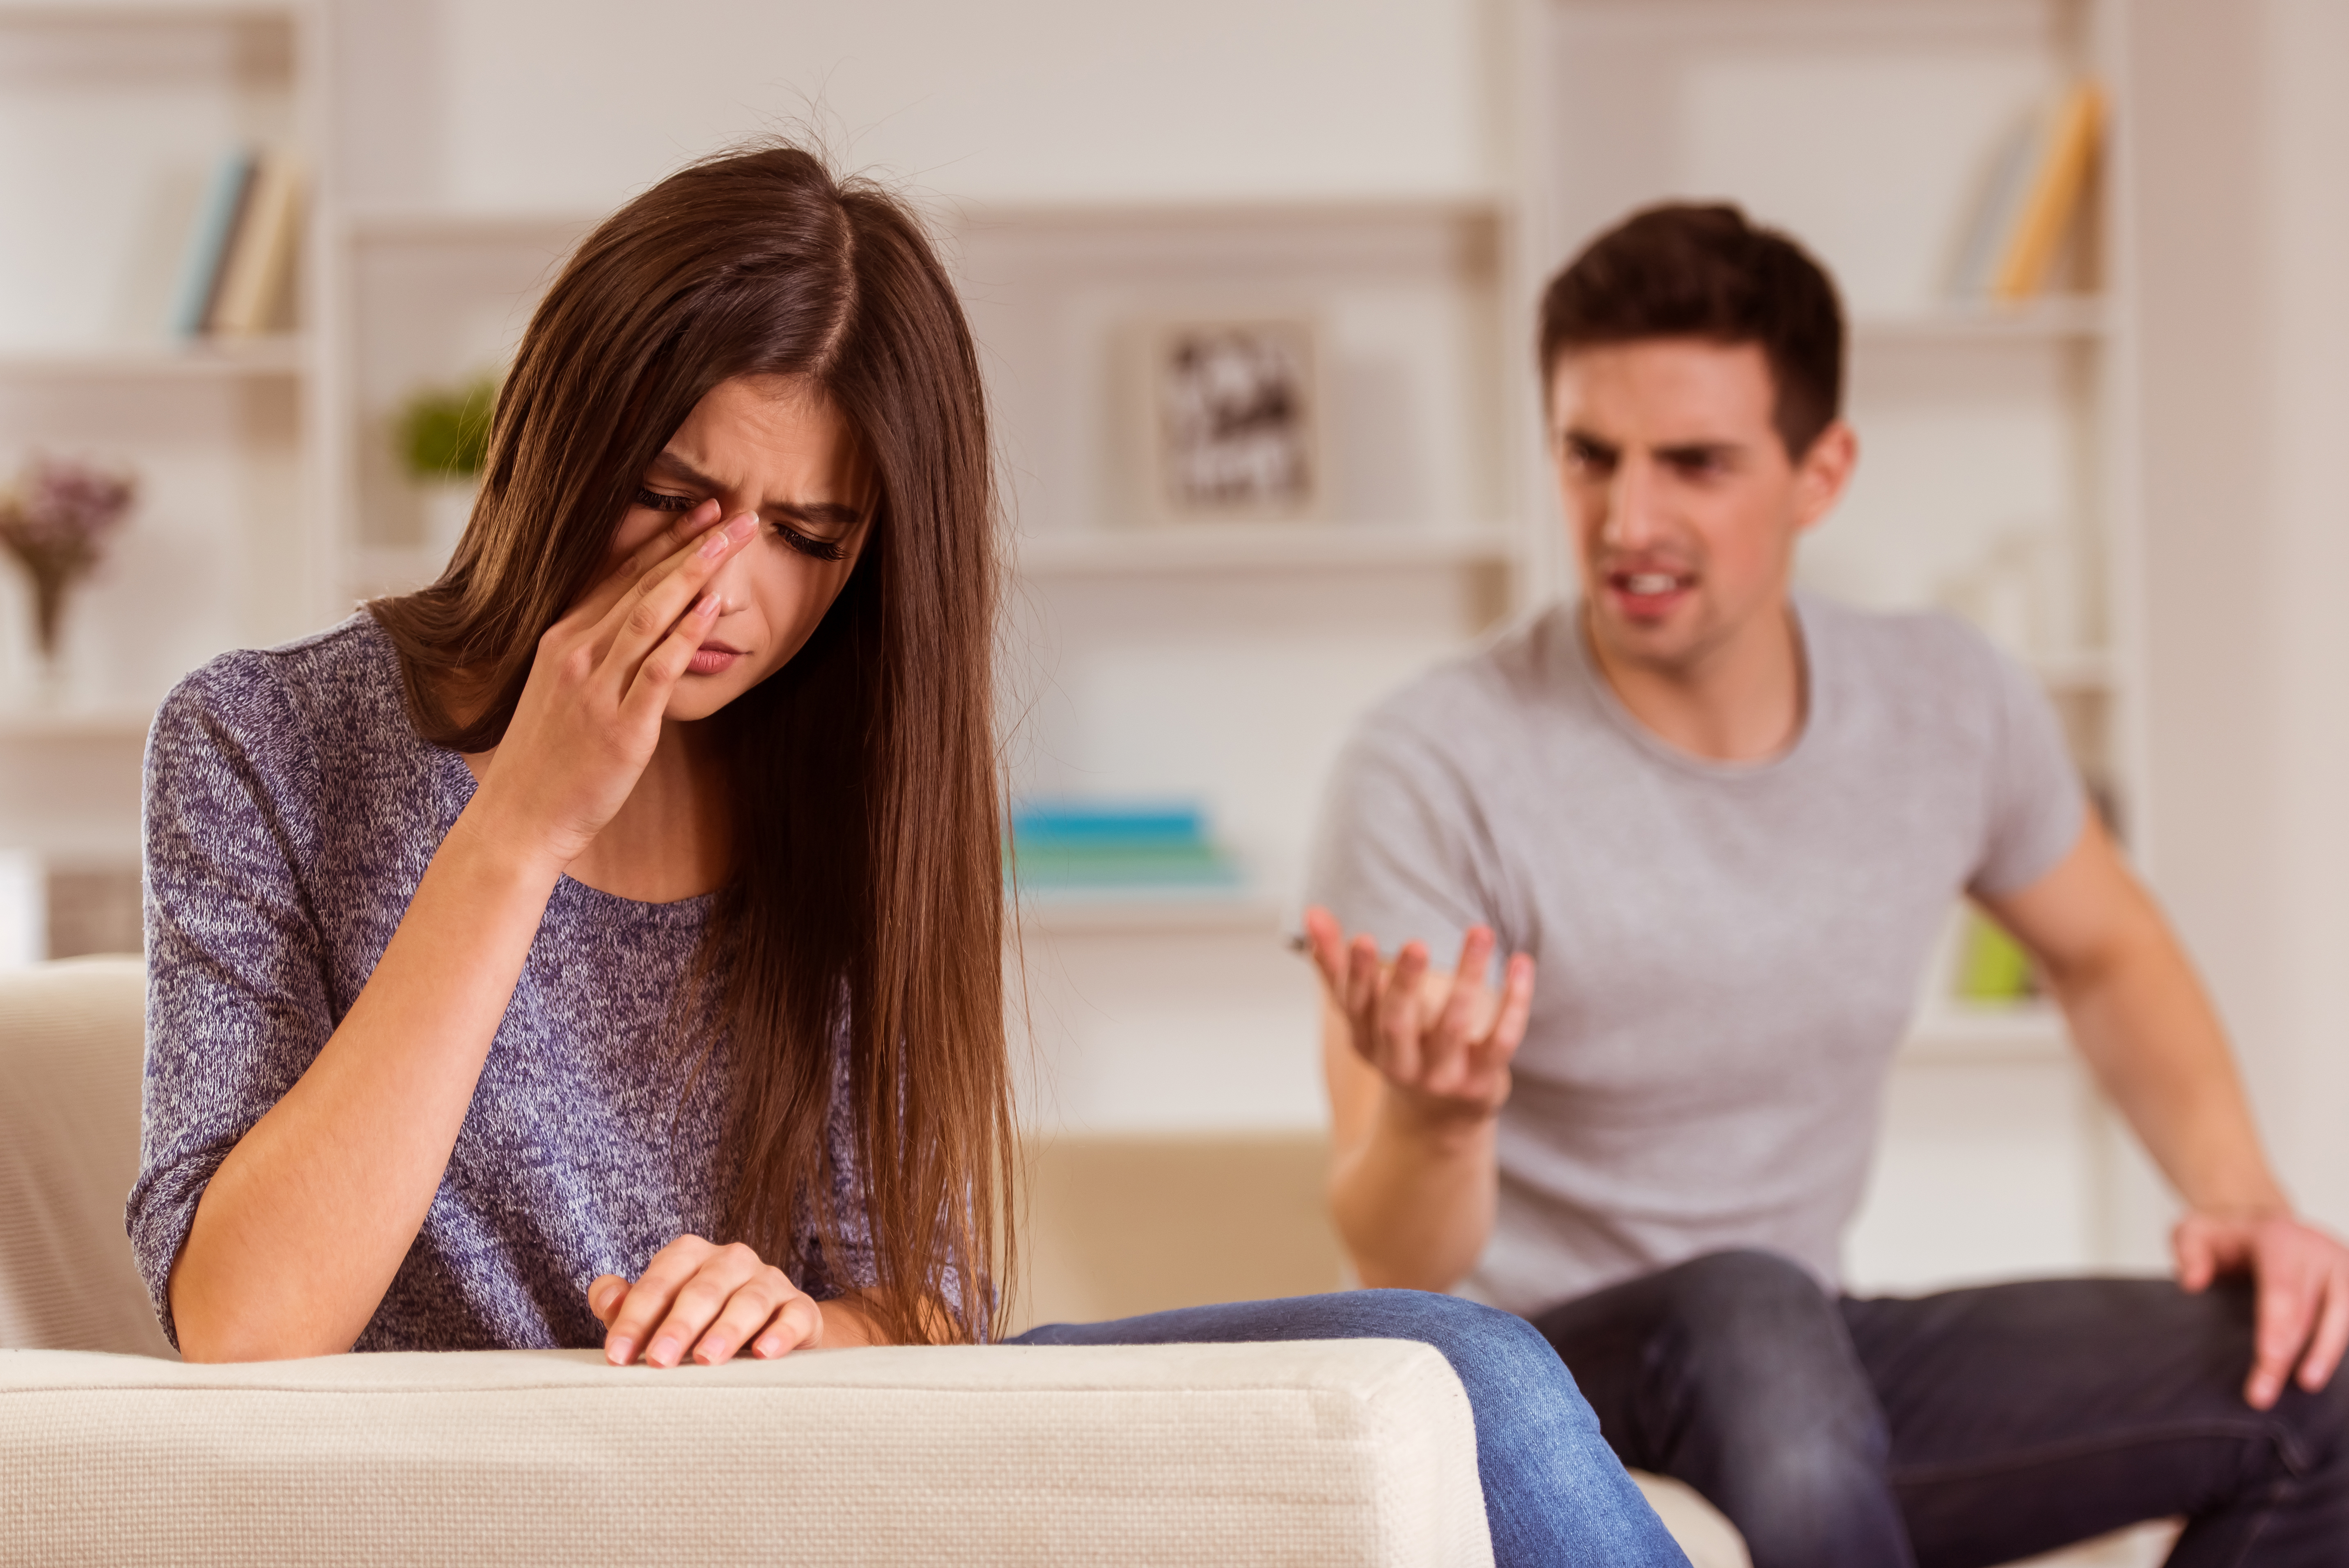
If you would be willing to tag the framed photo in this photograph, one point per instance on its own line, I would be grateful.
(1236, 423)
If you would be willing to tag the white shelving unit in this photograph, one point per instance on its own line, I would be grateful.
(1227, 662)
(111, 118)
(1996, 457)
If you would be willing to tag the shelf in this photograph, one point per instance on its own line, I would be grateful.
(2080, 670)
(2016, 1032)
(259, 358)
(1178, 549)
(110, 722)
(2053, 320)
(1107, 913)
(442, 225)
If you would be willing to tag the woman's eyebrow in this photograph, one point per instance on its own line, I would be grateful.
(823, 514)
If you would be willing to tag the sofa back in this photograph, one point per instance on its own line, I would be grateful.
(72, 1049)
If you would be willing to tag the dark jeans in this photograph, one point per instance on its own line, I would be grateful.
(1552, 1494)
(1970, 1427)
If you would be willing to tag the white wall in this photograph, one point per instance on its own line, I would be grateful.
(579, 103)
(2244, 245)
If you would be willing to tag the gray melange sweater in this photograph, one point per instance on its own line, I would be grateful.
(290, 811)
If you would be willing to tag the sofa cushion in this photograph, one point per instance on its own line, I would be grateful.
(1353, 1452)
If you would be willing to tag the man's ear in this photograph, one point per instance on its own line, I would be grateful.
(1824, 470)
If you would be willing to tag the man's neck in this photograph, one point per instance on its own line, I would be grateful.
(1739, 700)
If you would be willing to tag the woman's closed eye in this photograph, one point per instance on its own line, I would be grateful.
(805, 543)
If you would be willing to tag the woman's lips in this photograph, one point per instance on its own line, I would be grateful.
(711, 658)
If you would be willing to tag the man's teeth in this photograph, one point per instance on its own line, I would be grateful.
(1651, 581)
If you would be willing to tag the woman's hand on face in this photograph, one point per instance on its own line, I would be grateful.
(590, 714)
(698, 1298)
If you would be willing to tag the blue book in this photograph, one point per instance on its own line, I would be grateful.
(1074, 823)
(210, 242)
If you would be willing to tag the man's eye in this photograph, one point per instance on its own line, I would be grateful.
(1590, 459)
(659, 502)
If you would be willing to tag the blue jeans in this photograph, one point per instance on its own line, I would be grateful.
(1553, 1493)
(1970, 1427)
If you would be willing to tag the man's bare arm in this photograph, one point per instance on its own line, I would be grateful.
(1417, 1063)
(2144, 1022)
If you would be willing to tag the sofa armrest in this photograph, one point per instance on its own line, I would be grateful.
(1354, 1451)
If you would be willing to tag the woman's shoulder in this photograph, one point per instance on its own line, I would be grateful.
(338, 679)
(308, 717)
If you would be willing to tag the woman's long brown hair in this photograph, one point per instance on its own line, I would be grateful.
(862, 784)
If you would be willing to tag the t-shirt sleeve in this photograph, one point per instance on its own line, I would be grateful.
(1399, 851)
(2037, 805)
(237, 1000)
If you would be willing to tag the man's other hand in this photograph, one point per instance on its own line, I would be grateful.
(2300, 1277)
(1444, 1042)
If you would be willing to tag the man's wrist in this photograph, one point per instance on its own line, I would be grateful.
(1439, 1131)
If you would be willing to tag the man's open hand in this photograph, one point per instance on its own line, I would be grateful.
(1441, 1041)
(2301, 1278)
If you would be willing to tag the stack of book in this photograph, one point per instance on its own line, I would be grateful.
(2032, 198)
(237, 278)
(1102, 848)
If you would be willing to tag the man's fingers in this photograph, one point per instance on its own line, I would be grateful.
(1445, 1046)
(2284, 1314)
(2332, 1338)
(1361, 1000)
(1500, 1046)
(1327, 943)
(1397, 1027)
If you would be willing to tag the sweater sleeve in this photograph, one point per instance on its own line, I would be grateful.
(237, 998)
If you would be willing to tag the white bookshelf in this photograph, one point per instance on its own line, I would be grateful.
(112, 116)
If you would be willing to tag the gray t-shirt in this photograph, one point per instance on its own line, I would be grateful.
(1729, 952)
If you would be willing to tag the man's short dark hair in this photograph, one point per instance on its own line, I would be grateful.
(1681, 270)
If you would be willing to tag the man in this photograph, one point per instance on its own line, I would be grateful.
(1728, 820)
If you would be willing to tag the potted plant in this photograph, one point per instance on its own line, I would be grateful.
(443, 434)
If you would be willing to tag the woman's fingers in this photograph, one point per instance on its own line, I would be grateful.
(663, 667)
(766, 1305)
(649, 1300)
(668, 542)
(636, 624)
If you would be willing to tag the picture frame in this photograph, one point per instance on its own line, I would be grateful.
(1231, 415)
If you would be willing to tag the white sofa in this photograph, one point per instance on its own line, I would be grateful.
(113, 1453)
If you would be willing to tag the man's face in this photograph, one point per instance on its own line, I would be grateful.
(1682, 502)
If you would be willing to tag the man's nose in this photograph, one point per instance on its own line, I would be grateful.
(1633, 520)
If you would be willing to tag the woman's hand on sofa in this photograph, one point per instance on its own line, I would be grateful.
(710, 1302)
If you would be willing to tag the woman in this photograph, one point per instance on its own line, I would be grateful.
(636, 883)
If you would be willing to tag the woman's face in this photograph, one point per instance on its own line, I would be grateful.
(774, 446)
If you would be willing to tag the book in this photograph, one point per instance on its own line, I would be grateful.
(2053, 197)
(205, 259)
(1105, 846)
(261, 256)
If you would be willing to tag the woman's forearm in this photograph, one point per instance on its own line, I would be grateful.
(304, 1225)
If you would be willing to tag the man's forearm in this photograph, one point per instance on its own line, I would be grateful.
(1413, 1203)
(2142, 1022)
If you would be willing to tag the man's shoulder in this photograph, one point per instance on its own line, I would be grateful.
(1518, 677)
(1902, 650)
